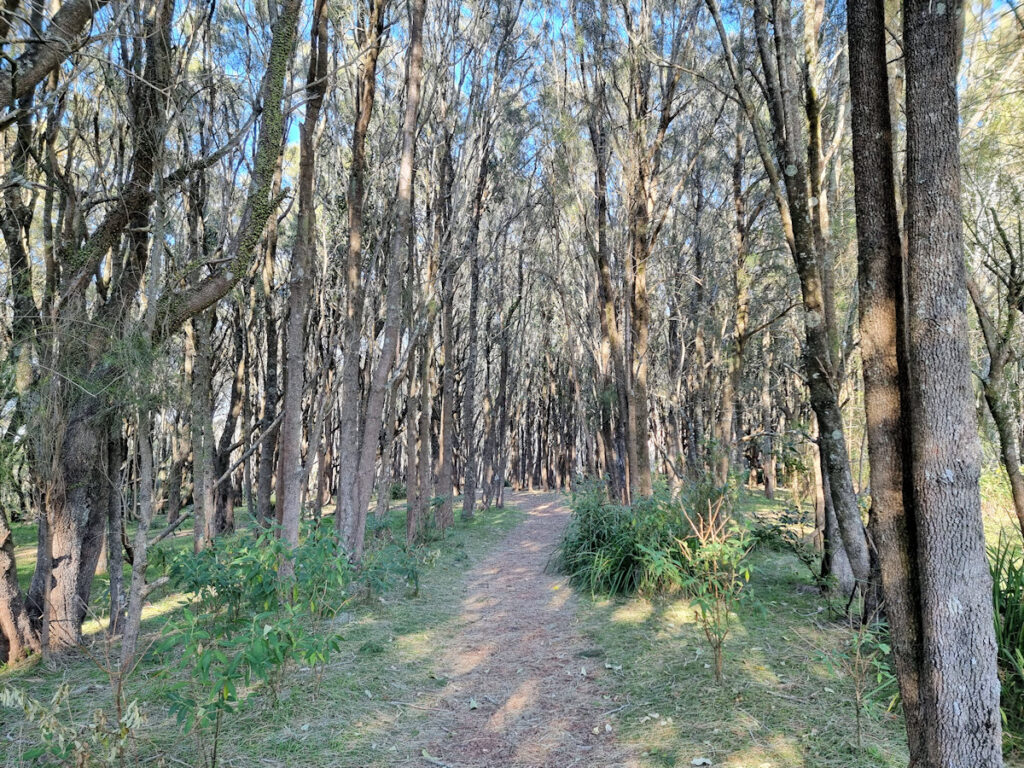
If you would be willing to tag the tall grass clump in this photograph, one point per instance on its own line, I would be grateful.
(1007, 565)
(610, 548)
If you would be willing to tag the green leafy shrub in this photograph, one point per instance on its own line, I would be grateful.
(239, 575)
(323, 574)
(216, 667)
(609, 548)
(717, 573)
(1007, 566)
(234, 575)
(246, 628)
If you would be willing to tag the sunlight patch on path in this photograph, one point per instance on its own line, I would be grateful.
(523, 689)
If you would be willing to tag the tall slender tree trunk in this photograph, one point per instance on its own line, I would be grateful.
(203, 471)
(472, 249)
(271, 385)
(115, 530)
(883, 350)
(362, 481)
(446, 473)
(300, 284)
(350, 519)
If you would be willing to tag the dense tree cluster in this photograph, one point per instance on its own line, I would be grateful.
(288, 256)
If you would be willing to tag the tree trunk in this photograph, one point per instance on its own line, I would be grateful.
(17, 635)
(880, 280)
(290, 495)
(446, 473)
(469, 385)
(959, 681)
(350, 519)
(138, 592)
(358, 486)
(203, 470)
(268, 448)
(76, 514)
(115, 531)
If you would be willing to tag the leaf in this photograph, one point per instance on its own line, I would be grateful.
(431, 759)
(473, 704)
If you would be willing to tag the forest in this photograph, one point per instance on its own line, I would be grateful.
(512, 383)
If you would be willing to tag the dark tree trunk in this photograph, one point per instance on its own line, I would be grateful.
(880, 279)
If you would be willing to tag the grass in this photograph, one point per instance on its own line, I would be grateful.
(346, 718)
(782, 703)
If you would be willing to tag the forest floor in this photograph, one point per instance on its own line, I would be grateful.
(524, 688)
(494, 662)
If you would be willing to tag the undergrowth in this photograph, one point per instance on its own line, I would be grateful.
(618, 549)
(250, 673)
(1007, 565)
(798, 679)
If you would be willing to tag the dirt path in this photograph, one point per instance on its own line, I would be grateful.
(522, 690)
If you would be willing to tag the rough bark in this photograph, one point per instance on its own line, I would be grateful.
(203, 470)
(883, 350)
(17, 634)
(959, 682)
(300, 284)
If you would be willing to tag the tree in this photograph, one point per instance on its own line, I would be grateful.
(919, 396)
(784, 153)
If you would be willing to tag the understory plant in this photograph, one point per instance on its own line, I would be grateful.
(866, 660)
(245, 628)
(1006, 563)
(611, 548)
(67, 740)
(217, 666)
(716, 574)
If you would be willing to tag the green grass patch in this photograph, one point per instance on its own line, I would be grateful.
(782, 702)
(344, 715)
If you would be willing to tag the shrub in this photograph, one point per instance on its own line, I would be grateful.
(717, 573)
(234, 575)
(217, 664)
(1007, 566)
(866, 660)
(238, 575)
(323, 574)
(614, 549)
(248, 625)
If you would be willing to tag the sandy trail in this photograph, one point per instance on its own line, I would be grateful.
(522, 690)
